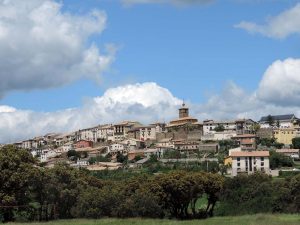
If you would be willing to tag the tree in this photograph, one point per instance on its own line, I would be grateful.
(278, 124)
(17, 167)
(278, 160)
(296, 142)
(270, 120)
(255, 127)
(121, 158)
(270, 142)
(219, 128)
(73, 154)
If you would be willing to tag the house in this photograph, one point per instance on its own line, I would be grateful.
(83, 144)
(285, 121)
(82, 163)
(165, 143)
(160, 127)
(286, 135)
(64, 148)
(133, 144)
(250, 162)
(46, 154)
(155, 151)
(27, 144)
(49, 139)
(209, 126)
(239, 126)
(62, 139)
(293, 153)
(211, 147)
(115, 148)
(87, 134)
(147, 133)
(121, 129)
(184, 146)
(218, 136)
(140, 163)
(244, 126)
(143, 133)
(246, 141)
(98, 133)
(104, 133)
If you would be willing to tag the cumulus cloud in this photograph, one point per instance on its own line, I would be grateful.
(280, 26)
(172, 2)
(41, 46)
(149, 102)
(280, 83)
(145, 102)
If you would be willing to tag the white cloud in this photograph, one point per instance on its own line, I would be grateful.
(277, 93)
(172, 2)
(42, 47)
(280, 26)
(6, 109)
(145, 102)
(280, 83)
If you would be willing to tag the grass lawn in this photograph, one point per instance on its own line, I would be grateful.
(259, 219)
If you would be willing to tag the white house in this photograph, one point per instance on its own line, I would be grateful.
(27, 144)
(148, 133)
(210, 125)
(121, 129)
(165, 143)
(250, 162)
(115, 148)
(239, 126)
(156, 151)
(285, 121)
(87, 134)
(82, 163)
(218, 136)
(46, 154)
(105, 132)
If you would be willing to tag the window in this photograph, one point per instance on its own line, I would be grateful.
(262, 158)
(262, 164)
(238, 164)
(238, 159)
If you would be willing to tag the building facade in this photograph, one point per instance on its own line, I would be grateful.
(250, 162)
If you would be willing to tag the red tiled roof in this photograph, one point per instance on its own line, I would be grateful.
(249, 154)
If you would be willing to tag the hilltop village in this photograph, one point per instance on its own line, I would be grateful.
(229, 147)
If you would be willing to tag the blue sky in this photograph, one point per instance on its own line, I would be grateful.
(67, 65)
(191, 50)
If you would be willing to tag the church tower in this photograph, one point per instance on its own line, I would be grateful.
(183, 111)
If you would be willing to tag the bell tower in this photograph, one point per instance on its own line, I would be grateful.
(183, 111)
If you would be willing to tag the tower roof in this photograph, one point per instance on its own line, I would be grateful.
(183, 106)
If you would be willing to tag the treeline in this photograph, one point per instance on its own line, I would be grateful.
(32, 193)
(259, 193)
(29, 192)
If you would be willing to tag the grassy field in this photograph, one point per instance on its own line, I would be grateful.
(239, 220)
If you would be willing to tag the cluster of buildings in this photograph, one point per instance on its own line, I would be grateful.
(185, 135)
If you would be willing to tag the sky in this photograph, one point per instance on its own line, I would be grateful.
(66, 65)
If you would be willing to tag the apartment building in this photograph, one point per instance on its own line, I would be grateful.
(250, 162)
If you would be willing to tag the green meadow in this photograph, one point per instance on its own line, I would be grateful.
(260, 219)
